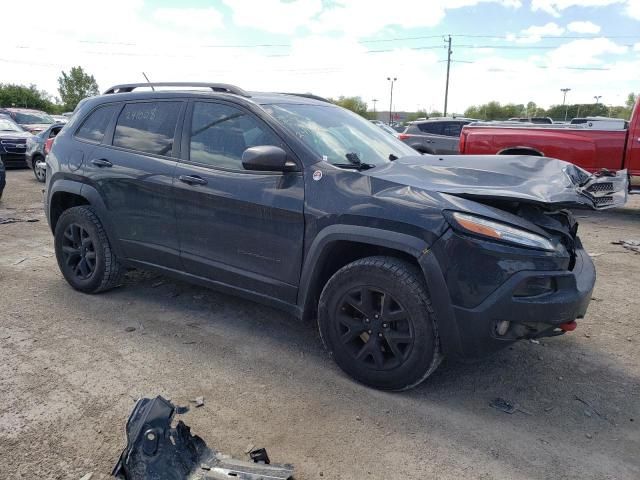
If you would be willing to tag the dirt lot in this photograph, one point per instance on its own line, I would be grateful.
(69, 372)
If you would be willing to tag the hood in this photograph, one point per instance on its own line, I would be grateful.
(36, 127)
(13, 135)
(501, 177)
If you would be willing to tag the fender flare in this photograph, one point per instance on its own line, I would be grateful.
(93, 197)
(409, 244)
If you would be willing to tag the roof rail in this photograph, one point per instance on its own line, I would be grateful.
(216, 87)
(308, 95)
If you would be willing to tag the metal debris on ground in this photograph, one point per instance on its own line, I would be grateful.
(87, 476)
(130, 329)
(633, 245)
(199, 401)
(19, 261)
(156, 450)
(506, 406)
(4, 221)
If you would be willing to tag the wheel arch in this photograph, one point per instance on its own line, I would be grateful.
(339, 245)
(521, 151)
(68, 193)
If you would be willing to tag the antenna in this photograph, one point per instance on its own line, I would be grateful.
(148, 81)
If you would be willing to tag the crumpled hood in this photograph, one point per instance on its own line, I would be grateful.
(528, 178)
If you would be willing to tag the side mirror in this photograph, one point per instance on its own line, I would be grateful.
(267, 158)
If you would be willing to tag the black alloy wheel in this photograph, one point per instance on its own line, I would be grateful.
(79, 252)
(374, 328)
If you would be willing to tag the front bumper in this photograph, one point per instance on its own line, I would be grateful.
(14, 159)
(471, 332)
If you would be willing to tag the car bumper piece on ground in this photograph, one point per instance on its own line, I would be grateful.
(156, 450)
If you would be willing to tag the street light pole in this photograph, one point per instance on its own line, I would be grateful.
(375, 100)
(446, 89)
(597, 97)
(392, 80)
(564, 101)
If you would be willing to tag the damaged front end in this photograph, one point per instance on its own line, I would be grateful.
(604, 189)
(156, 450)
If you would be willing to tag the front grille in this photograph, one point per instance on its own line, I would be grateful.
(600, 187)
(603, 200)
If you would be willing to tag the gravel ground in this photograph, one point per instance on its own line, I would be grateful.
(69, 374)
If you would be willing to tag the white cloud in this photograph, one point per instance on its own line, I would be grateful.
(204, 19)
(583, 27)
(535, 33)
(273, 15)
(633, 9)
(555, 7)
(586, 53)
(363, 18)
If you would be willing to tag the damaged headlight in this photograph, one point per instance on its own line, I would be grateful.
(498, 231)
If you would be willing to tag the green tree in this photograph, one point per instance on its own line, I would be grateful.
(75, 86)
(12, 95)
(355, 104)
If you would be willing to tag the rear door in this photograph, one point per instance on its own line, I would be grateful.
(133, 170)
(236, 227)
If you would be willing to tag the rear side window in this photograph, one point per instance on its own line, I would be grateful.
(431, 128)
(452, 129)
(95, 126)
(147, 127)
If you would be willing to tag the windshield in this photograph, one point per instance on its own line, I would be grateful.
(336, 134)
(8, 126)
(33, 117)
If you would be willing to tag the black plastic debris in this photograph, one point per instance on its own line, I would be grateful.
(156, 450)
(259, 455)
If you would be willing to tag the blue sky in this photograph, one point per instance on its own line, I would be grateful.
(505, 50)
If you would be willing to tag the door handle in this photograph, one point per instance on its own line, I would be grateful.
(192, 180)
(101, 162)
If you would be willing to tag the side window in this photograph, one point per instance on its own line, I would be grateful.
(221, 133)
(147, 127)
(432, 127)
(452, 129)
(95, 125)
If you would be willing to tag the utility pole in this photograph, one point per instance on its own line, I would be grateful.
(597, 97)
(564, 101)
(446, 90)
(392, 80)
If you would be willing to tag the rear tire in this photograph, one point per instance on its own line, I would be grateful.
(375, 318)
(83, 251)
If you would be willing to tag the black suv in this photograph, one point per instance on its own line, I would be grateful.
(295, 202)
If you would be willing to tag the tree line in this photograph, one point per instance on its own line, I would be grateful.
(497, 111)
(77, 84)
(73, 86)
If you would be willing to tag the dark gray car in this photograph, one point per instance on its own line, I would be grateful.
(35, 154)
(295, 202)
(437, 136)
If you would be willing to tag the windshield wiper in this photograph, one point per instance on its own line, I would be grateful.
(354, 162)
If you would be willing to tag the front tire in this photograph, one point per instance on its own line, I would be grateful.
(83, 251)
(375, 318)
(39, 172)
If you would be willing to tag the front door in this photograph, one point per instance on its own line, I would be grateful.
(236, 227)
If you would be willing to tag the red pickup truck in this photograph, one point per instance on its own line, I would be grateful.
(586, 147)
